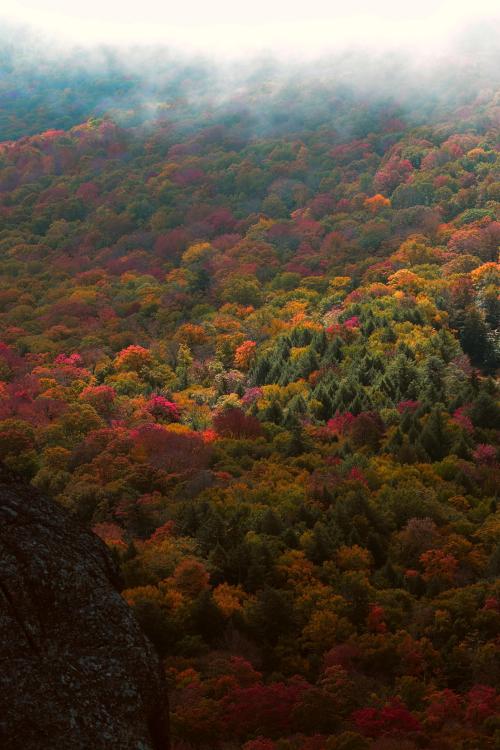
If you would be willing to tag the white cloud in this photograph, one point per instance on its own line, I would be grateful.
(230, 27)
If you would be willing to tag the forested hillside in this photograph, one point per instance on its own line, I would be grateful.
(252, 343)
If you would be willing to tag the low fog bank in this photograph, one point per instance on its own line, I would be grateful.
(46, 82)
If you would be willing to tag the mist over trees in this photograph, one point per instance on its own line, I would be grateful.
(249, 326)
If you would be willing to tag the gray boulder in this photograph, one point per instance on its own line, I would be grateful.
(76, 670)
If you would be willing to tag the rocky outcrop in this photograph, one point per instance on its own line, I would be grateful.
(76, 670)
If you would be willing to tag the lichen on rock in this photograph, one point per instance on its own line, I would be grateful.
(77, 671)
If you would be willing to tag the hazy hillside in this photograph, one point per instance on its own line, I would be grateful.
(250, 335)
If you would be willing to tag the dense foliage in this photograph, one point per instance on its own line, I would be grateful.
(258, 359)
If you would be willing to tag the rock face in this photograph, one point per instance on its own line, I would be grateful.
(76, 671)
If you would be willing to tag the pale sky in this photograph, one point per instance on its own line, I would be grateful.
(230, 27)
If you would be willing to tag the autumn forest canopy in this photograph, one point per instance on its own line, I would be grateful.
(249, 335)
